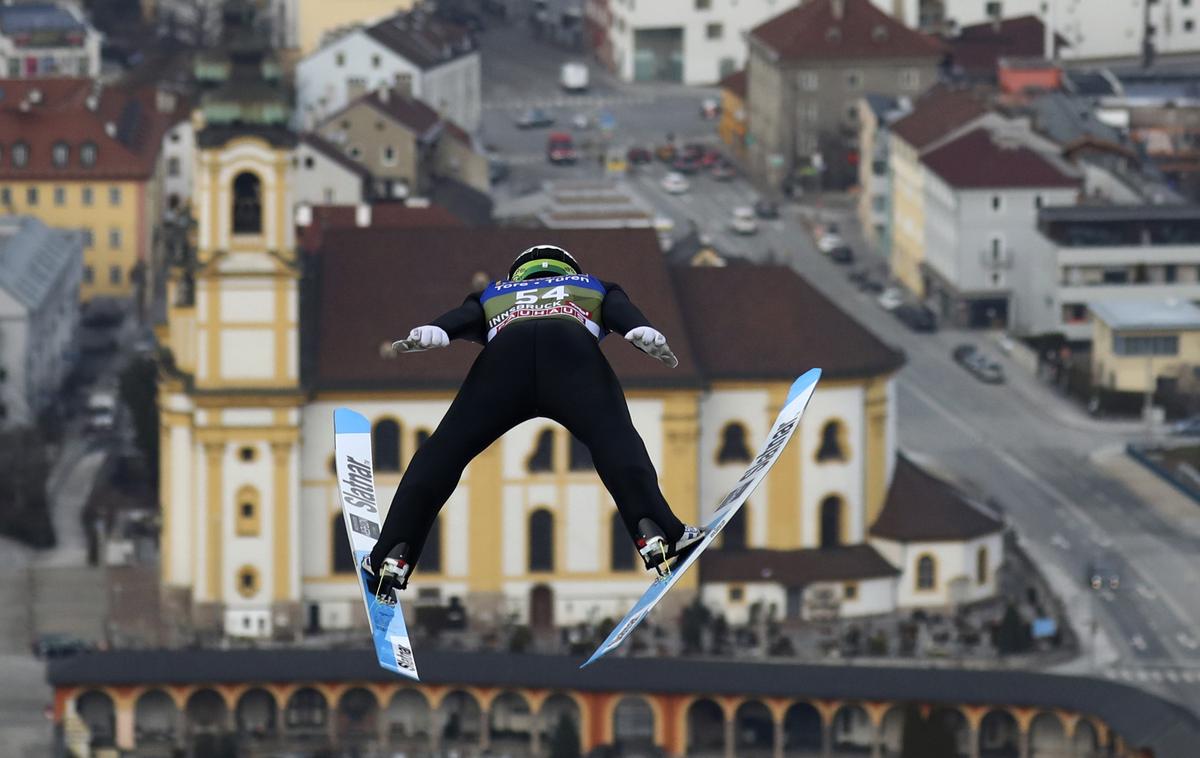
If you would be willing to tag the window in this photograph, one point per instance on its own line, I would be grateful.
(622, 556)
(379, 126)
(993, 9)
(737, 594)
(809, 80)
(388, 155)
(926, 573)
(247, 521)
(376, 61)
(910, 79)
(850, 591)
(114, 239)
(421, 436)
(541, 540)
(431, 551)
(340, 59)
(812, 112)
(385, 445)
(60, 196)
(733, 536)
(309, 162)
(853, 79)
(31, 195)
(86, 195)
(247, 453)
(831, 521)
(733, 444)
(89, 274)
(542, 458)
(173, 166)
(20, 154)
(1170, 272)
(996, 249)
(832, 442)
(340, 559)
(60, 154)
(580, 457)
(997, 202)
(355, 152)
(87, 154)
(89, 239)
(247, 204)
(5, 196)
(114, 274)
(714, 31)
(981, 566)
(703, 5)
(1167, 344)
(247, 581)
(1188, 25)
(1037, 201)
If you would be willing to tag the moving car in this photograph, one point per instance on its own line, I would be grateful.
(919, 318)
(560, 148)
(828, 241)
(685, 165)
(1100, 574)
(766, 209)
(743, 221)
(891, 299)
(842, 254)
(984, 368)
(535, 118)
(665, 153)
(676, 184)
(1188, 427)
(638, 156)
(722, 172)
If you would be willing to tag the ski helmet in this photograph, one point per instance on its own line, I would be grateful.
(543, 260)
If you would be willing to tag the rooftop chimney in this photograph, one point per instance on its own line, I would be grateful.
(362, 215)
(304, 214)
(839, 8)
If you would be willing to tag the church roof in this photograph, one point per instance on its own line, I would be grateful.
(923, 508)
(795, 568)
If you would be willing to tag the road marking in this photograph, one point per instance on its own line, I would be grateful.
(1189, 677)
(1186, 640)
(1139, 642)
(1156, 676)
(1172, 676)
(1060, 542)
(1142, 676)
(1146, 592)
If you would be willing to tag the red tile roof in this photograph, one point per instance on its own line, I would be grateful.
(813, 31)
(796, 568)
(125, 125)
(978, 47)
(922, 508)
(409, 111)
(387, 215)
(367, 294)
(735, 83)
(937, 113)
(977, 161)
(765, 322)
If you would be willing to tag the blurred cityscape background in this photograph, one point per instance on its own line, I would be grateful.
(980, 218)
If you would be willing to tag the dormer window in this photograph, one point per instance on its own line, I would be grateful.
(87, 154)
(833, 34)
(879, 33)
(20, 155)
(60, 154)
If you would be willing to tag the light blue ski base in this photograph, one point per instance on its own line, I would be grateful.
(785, 425)
(387, 624)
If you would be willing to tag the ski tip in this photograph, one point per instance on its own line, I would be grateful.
(346, 421)
(806, 380)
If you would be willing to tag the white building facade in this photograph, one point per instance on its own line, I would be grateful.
(40, 271)
(47, 39)
(326, 176)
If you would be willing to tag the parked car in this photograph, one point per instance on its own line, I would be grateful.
(1188, 427)
(891, 299)
(961, 352)
(743, 221)
(581, 121)
(694, 150)
(842, 254)
(711, 157)
(676, 184)
(534, 118)
(766, 208)
(560, 148)
(722, 172)
(665, 153)
(1101, 574)
(638, 156)
(919, 318)
(685, 165)
(984, 368)
(828, 241)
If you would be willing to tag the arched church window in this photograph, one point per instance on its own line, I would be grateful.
(541, 540)
(733, 444)
(831, 521)
(832, 444)
(247, 204)
(385, 443)
(542, 457)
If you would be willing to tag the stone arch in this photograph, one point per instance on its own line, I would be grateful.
(410, 718)
(1047, 737)
(850, 729)
(96, 709)
(306, 712)
(385, 444)
(802, 727)
(999, 735)
(633, 723)
(705, 728)
(155, 717)
(891, 730)
(206, 711)
(461, 719)
(753, 730)
(510, 723)
(956, 723)
(555, 707)
(247, 210)
(357, 712)
(256, 712)
(1085, 742)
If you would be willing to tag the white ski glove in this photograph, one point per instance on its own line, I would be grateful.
(422, 338)
(652, 342)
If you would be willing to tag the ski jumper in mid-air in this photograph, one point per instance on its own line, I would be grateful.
(541, 330)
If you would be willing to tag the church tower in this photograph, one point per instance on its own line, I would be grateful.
(230, 391)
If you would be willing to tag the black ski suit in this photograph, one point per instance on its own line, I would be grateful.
(532, 367)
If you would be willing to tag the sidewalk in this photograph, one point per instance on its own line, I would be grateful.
(1171, 505)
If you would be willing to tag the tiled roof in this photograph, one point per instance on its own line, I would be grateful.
(33, 256)
(1142, 719)
(795, 568)
(365, 294)
(408, 111)
(735, 83)
(977, 160)
(765, 322)
(388, 215)
(422, 40)
(979, 47)
(37, 17)
(125, 125)
(922, 508)
(937, 113)
(813, 31)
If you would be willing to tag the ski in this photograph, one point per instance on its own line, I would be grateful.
(356, 490)
(785, 424)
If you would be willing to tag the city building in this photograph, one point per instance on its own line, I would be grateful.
(688, 41)
(731, 127)
(41, 39)
(413, 54)
(936, 117)
(1113, 253)
(976, 50)
(325, 175)
(807, 69)
(179, 158)
(984, 257)
(302, 26)
(404, 144)
(1137, 343)
(81, 155)
(876, 113)
(40, 272)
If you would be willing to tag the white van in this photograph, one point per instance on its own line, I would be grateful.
(574, 77)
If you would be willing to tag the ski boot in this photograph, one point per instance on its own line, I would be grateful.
(656, 550)
(392, 576)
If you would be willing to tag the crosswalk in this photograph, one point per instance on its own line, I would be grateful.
(1189, 676)
(567, 101)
